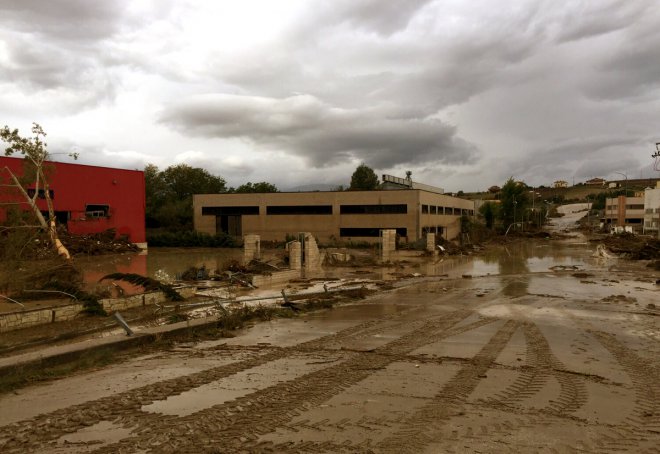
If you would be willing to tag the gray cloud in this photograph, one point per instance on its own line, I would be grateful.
(467, 93)
(322, 134)
(586, 19)
(371, 16)
(72, 20)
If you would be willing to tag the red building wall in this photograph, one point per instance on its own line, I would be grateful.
(79, 188)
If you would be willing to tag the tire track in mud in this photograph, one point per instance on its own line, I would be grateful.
(50, 426)
(422, 428)
(543, 365)
(642, 431)
(235, 426)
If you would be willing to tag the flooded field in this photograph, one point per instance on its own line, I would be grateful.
(533, 347)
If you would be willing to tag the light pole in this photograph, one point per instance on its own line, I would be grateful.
(514, 210)
(625, 187)
(534, 194)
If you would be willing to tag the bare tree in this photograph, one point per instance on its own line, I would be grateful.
(35, 152)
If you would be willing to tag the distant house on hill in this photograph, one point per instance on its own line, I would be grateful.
(595, 182)
(560, 184)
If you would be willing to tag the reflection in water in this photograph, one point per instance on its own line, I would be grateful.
(159, 261)
(513, 261)
(95, 267)
(510, 261)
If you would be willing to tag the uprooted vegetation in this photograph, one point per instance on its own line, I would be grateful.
(149, 284)
(47, 279)
(233, 272)
(628, 245)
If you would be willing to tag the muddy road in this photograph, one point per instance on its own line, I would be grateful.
(538, 347)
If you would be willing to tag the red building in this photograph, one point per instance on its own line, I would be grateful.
(88, 199)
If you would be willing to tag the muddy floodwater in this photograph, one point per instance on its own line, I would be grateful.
(533, 347)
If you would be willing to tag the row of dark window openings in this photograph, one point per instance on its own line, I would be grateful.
(369, 232)
(327, 209)
(627, 220)
(305, 210)
(432, 209)
(628, 207)
(434, 229)
(91, 211)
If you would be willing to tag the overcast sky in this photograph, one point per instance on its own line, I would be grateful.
(462, 93)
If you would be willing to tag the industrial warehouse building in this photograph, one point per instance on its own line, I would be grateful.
(87, 199)
(333, 215)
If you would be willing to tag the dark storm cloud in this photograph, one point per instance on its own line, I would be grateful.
(59, 47)
(424, 71)
(632, 69)
(591, 19)
(581, 158)
(323, 134)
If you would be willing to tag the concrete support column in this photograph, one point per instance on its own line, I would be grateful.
(388, 244)
(295, 255)
(312, 254)
(430, 242)
(251, 248)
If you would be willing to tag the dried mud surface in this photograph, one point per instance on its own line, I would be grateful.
(529, 359)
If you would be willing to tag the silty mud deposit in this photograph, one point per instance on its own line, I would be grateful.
(536, 347)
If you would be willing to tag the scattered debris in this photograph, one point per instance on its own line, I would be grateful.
(619, 299)
(601, 252)
(146, 282)
(565, 268)
(628, 245)
(123, 324)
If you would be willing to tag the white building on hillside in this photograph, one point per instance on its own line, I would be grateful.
(652, 209)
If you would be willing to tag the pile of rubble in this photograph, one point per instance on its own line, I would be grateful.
(627, 245)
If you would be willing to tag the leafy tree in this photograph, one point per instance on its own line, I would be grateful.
(182, 181)
(514, 199)
(260, 187)
(155, 194)
(35, 152)
(364, 179)
(169, 194)
(489, 211)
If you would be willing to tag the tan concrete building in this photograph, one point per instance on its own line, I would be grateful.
(336, 215)
(625, 212)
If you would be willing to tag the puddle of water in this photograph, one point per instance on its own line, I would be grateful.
(90, 438)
